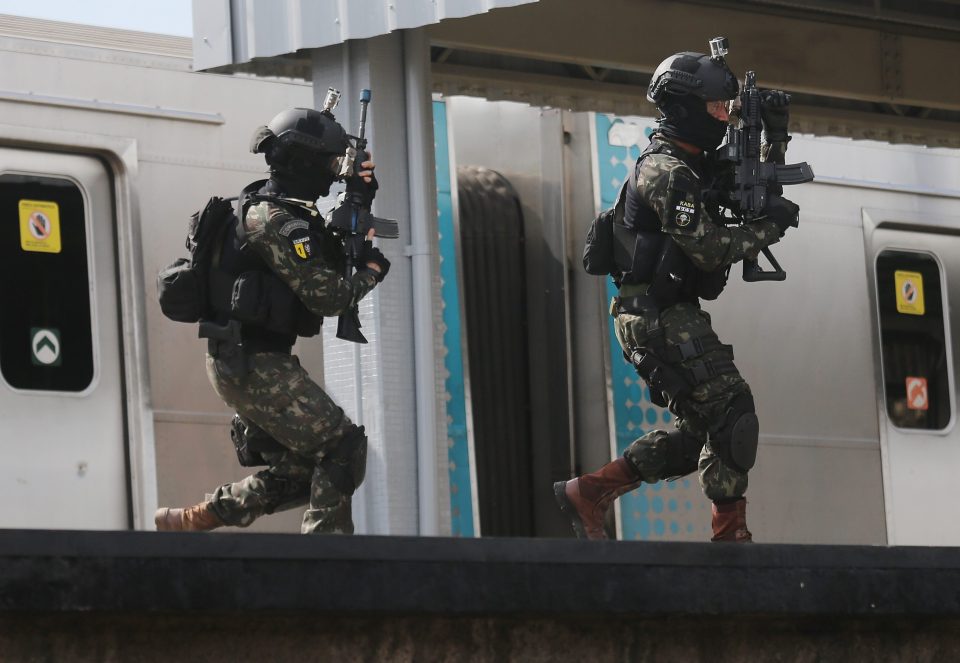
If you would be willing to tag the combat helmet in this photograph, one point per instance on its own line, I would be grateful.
(703, 76)
(301, 136)
(304, 149)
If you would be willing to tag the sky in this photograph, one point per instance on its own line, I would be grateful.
(171, 17)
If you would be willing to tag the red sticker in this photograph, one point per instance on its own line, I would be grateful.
(917, 395)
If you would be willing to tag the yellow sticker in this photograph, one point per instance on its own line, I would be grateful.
(909, 292)
(39, 226)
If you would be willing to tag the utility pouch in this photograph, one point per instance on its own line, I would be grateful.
(711, 284)
(598, 248)
(670, 275)
(263, 300)
(180, 291)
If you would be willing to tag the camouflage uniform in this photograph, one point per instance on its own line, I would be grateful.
(710, 246)
(279, 396)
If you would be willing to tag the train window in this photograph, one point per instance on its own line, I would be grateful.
(913, 340)
(46, 338)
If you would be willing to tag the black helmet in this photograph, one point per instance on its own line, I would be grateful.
(302, 134)
(303, 147)
(703, 76)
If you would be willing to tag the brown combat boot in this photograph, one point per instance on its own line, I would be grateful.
(585, 500)
(197, 518)
(730, 522)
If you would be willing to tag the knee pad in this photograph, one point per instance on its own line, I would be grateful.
(683, 454)
(737, 440)
(346, 463)
(250, 440)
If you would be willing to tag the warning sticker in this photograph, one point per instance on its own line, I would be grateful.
(39, 226)
(917, 396)
(909, 292)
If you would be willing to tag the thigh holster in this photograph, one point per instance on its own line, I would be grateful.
(737, 440)
(250, 441)
(346, 463)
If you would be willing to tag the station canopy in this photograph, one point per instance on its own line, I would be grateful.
(880, 69)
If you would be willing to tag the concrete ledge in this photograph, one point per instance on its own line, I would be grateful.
(123, 572)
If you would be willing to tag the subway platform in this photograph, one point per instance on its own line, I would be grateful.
(146, 596)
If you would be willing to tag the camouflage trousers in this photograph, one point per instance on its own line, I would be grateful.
(705, 410)
(280, 397)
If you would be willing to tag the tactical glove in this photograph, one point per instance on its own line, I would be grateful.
(356, 185)
(370, 253)
(785, 213)
(775, 113)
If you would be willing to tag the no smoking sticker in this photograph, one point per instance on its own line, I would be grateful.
(909, 287)
(918, 398)
(39, 226)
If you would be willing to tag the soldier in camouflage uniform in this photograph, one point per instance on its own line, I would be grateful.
(681, 252)
(283, 275)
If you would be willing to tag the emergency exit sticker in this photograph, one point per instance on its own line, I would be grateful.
(40, 226)
(909, 292)
(917, 396)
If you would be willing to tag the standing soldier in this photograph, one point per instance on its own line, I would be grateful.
(679, 252)
(277, 273)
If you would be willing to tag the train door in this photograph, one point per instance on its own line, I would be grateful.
(61, 398)
(916, 281)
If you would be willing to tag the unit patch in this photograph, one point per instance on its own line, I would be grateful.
(302, 247)
(682, 200)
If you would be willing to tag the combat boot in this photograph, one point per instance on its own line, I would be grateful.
(197, 518)
(585, 500)
(730, 522)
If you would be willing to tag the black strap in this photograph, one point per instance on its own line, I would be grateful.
(696, 347)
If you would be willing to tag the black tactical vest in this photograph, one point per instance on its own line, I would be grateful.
(644, 254)
(244, 288)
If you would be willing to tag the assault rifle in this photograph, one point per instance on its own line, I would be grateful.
(752, 177)
(351, 220)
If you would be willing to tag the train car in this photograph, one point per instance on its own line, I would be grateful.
(108, 142)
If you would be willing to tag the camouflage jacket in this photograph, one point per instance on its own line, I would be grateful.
(669, 182)
(286, 244)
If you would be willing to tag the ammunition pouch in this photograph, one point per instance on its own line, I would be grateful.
(346, 464)
(250, 441)
(737, 440)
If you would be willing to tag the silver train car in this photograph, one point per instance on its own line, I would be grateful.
(108, 141)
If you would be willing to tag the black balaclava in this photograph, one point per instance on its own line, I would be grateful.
(686, 118)
(298, 178)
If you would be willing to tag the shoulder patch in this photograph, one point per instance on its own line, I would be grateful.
(682, 208)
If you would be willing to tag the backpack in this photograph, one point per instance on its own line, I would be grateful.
(598, 248)
(183, 286)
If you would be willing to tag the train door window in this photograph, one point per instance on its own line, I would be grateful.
(46, 336)
(913, 340)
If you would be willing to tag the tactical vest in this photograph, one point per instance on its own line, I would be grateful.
(244, 288)
(644, 254)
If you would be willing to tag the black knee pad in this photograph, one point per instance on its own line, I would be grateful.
(737, 441)
(346, 463)
(250, 441)
(683, 454)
